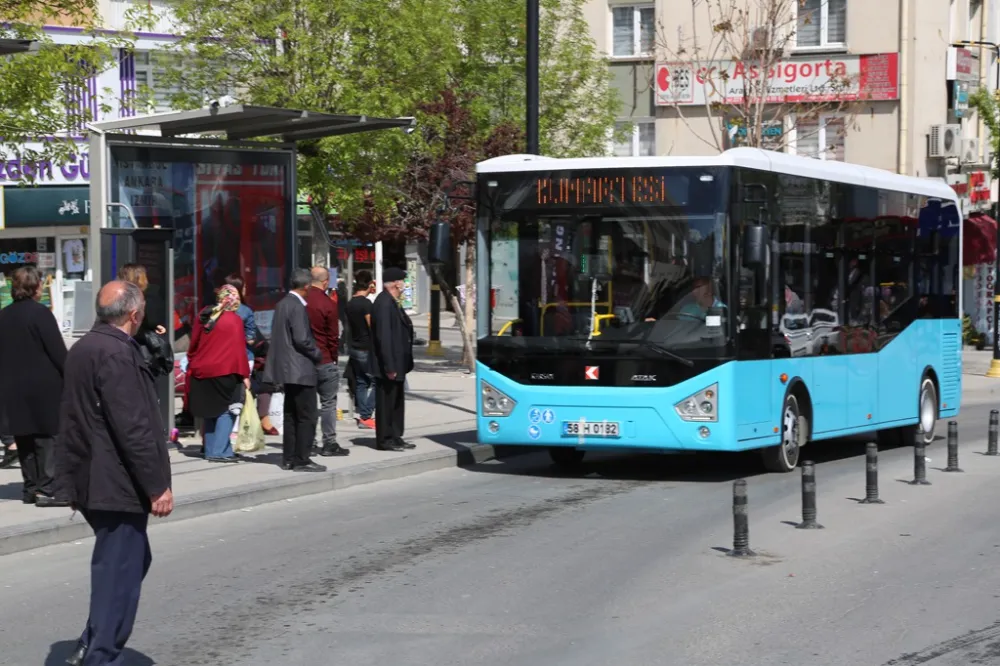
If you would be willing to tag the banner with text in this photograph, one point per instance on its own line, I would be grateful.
(844, 78)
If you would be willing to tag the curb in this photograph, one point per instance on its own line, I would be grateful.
(61, 530)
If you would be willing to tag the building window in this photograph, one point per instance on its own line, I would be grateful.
(151, 78)
(641, 143)
(634, 30)
(821, 138)
(821, 23)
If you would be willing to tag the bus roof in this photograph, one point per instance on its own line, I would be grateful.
(750, 158)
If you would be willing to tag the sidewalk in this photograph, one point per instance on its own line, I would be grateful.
(440, 419)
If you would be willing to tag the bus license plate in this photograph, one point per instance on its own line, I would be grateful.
(591, 429)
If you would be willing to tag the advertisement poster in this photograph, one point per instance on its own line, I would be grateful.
(228, 210)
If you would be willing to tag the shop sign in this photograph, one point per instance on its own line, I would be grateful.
(27, 206)
(75, 170)
(844, 78)
(973, 190)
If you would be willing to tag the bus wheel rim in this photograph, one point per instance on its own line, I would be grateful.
(790, 436)
(928, 418)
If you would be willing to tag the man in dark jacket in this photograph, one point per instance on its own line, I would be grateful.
(32, 353)
(291, 363)
(112, 465)
(391, 359)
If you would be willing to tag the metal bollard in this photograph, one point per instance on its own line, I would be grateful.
(809, 498)
(871, 475)
(991, 447)
(952, 448)
(919, 463)
(741, 521)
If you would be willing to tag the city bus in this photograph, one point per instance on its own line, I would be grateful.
(750, 300)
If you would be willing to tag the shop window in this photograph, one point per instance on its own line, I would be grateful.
(821, 23)
(634, 30)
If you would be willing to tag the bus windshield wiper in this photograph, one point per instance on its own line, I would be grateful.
(664, 351)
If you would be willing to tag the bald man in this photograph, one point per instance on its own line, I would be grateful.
(325, 323)
(112, 465)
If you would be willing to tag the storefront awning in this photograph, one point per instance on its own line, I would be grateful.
(980, 240)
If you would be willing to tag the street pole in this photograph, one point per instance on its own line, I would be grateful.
(531, 76)
(434, 323)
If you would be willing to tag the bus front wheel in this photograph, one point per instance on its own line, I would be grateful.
(794, 433)
(566, 457)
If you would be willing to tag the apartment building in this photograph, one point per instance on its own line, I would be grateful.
(909, 87)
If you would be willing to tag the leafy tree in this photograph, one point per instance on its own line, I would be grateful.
(987, 105)
(367, 57)
(40, 90)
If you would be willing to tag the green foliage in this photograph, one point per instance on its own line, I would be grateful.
(369, 57)
(987, 106)
(37, 88)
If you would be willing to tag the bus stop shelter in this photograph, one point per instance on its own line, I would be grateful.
(195, 196)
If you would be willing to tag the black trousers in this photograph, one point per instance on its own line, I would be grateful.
(389, 411)
(300, 414)
(118, 566)
(35, 453)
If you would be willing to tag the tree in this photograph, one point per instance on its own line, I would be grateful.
(437, 186)
(364, 57)
(41, 91)
(737, 70)
(987, 104)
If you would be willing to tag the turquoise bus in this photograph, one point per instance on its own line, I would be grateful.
(746, 301)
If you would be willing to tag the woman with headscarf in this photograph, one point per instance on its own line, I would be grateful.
(218, 373)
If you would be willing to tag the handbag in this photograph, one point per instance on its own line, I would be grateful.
(156, 351)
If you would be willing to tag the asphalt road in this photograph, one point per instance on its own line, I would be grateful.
(513, 564)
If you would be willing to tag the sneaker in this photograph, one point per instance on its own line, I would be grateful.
(366, 424)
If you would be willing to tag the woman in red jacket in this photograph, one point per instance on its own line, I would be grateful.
(218, 373)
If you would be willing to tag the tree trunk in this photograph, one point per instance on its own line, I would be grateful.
(469, 323)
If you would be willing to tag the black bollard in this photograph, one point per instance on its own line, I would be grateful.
(809, 498)
(919, 463)
(871, 475)
(991, 447)
(741, 521)
(952, 448)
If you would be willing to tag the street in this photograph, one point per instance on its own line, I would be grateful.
(513, 563)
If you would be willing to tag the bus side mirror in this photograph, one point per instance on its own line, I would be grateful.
(756, 240)
(439, 244)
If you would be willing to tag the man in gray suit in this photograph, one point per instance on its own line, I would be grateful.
(291, 363)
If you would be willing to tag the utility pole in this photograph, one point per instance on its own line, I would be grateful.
(531, 77)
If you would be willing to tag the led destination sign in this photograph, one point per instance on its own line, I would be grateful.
(603, 190)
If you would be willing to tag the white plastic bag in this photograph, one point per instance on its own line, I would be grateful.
(276, 412)
(251, 434)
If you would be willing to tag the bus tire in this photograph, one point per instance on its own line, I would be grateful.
(794, 433)
(927, 414)
(566, 457)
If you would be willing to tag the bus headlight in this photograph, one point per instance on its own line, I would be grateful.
(702, 406)
(495, 403)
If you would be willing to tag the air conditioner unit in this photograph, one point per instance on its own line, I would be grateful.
(945, 141)
(970, 151)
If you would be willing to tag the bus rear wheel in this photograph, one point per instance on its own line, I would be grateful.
(566, 457)
(794, 433)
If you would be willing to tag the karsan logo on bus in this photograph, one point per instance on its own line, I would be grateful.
(788, 72)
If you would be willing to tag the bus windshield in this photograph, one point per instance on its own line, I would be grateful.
(608, 272)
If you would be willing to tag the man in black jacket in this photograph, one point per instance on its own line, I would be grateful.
(390, 360)
(291, 364)
(112, 465)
